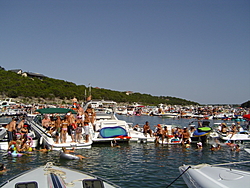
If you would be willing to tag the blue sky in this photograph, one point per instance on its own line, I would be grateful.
(195, 50)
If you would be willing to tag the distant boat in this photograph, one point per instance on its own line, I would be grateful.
(56, 176)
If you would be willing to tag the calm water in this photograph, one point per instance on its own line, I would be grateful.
(132, 165)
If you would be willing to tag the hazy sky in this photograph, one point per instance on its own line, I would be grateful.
(196, 50)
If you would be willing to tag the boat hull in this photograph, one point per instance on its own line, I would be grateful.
(209, 176)
(54, 176)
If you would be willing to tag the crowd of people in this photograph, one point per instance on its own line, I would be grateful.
(70, 125)
(18, 138)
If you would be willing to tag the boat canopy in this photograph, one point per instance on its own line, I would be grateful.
(55, 111)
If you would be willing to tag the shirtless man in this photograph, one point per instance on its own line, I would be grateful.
(146, 129)
(185, 135)
(71, 120)
(46, 122)
(11, 127)
(58, 123)
(20, 126)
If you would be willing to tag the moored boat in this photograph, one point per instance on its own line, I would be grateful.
(56, 176)
(106, 126)
(49, 139)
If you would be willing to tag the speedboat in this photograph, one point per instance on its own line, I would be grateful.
(210, 176)
(56, 176)
(137, 135)
(242, 135)
(107, 126)
(4, 120)
(49, 139)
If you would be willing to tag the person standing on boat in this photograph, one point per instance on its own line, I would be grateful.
(91, 116)
(20, 126)
(64, 130)
(11, 128)
(71, 120)
(58, 124)
(86, 125)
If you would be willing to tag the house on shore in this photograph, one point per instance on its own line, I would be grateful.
(28, 74)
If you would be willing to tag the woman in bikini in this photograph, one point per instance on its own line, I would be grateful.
(64, 130)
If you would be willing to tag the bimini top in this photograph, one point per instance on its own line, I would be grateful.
(55, 111)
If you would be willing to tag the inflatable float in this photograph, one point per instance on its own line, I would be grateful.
(111, 132)
(204, 129)
(68, 156)
(198, 134)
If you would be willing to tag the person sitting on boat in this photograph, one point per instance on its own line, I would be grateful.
(224, 129)
(239, 127)
(233, 130)
(136, 127)
(24, 130)
(72, 151)
(146, 129)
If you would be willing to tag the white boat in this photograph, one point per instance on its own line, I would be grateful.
(107, 126)
(211, 176)
(4, 120)
(137, 135)
(242, 135)
(49, 139)
(49, 176)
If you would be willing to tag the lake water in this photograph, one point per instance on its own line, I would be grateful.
(134, 165)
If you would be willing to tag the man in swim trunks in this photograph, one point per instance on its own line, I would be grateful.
(146, 129)
(11, 128)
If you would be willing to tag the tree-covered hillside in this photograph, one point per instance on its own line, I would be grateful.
(14, 85)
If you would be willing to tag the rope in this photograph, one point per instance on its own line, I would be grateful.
(230, 163)
(179, 176)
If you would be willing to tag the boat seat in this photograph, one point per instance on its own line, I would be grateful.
(92, 183)
(31, 184)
